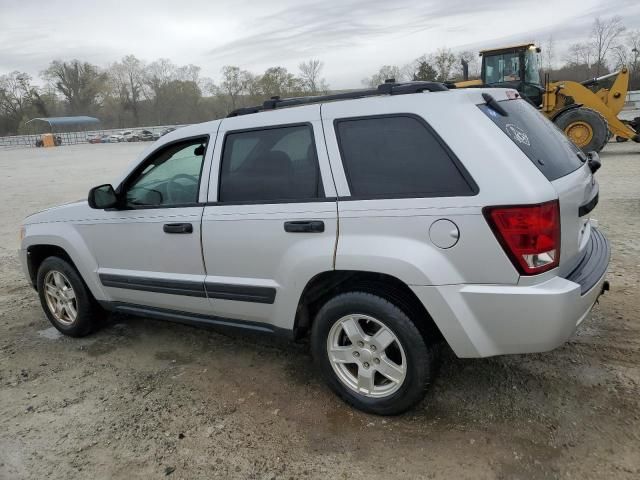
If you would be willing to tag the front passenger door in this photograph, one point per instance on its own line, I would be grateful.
(148, 251)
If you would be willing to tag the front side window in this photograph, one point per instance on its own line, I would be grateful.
(532, 67)
(398, 156)
(272, 164)
(171, 177)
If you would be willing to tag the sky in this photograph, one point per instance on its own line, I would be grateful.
(352, 37)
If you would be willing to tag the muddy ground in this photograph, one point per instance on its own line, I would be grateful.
(147, 399)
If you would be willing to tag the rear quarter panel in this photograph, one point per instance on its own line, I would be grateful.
(392, 235)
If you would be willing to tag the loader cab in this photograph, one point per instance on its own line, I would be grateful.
(515, 67)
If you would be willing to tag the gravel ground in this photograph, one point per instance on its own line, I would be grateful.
(145, 399)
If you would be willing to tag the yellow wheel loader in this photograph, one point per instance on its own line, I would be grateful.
(586, 114)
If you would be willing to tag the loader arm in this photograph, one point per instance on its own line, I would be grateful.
(615, 96)
(607, 102)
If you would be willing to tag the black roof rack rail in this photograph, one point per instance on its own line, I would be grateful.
(390, 87)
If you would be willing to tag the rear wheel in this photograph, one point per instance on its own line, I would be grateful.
(66, 300)
(371, 354)
(585, 127)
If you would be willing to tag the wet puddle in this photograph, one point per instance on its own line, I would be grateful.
(50, 333)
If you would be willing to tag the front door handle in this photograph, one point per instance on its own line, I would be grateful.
(177, 228)
(304, 226)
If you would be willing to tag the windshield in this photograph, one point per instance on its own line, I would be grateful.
(502, 68)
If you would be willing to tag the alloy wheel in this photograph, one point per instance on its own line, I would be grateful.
(366, 355)
(60, 297)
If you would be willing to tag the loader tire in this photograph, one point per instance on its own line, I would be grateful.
(585, 127)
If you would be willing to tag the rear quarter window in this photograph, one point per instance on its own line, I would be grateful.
(538, 138)
(396, 156)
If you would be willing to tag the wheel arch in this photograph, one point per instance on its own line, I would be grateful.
(41, 243)
(36, 254)
(328, 284)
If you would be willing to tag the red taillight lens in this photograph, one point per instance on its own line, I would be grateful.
(529, 234)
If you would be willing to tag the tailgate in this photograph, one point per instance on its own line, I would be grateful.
(562, 163)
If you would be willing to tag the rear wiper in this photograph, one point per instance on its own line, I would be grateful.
(494, 105)
(581, 155)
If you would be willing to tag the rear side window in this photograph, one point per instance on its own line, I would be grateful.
(398, 156)
(539, 139)
(272, 164)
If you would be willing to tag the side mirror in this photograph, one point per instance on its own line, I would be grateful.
(102, 196)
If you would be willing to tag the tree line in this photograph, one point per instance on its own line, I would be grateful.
(132, 92)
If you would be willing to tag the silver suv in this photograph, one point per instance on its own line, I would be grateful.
(376, 223)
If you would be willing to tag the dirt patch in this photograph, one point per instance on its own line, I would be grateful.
(145, 399)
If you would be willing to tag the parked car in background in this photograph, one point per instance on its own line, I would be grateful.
(148, 136)
(116, 138)
(130, 136)
(481, 240)
(98, 138)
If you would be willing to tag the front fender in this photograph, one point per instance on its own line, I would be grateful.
(67, 237)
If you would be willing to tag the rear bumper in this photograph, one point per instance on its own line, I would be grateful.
(487, 320)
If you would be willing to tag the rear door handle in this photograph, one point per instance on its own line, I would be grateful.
(304, 226)
(177, 228)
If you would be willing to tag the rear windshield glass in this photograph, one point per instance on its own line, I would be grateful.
(540, 140)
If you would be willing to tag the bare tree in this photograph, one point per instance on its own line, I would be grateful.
(633, 43)
(81, 83)
(16, 95)
(445, 63)
(548, 54)
(277, 81)
(604, 35)
(310, 78)
(628, 54)
(127, 77)
(189, 73)
(234, 83)
(386, 72)
(579, 54)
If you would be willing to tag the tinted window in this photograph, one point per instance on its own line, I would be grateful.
(544, 143)
(170, 177)
(270, 164)
(397, 156)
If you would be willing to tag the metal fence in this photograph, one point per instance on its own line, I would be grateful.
(72, 138)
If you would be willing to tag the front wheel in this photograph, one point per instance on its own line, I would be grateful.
(65, 298)
(371, 353)
(585, 127)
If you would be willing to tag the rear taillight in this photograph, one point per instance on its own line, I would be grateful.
(529, 234)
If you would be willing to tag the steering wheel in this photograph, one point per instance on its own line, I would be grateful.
(175, 189)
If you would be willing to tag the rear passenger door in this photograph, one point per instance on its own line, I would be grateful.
(271, 221)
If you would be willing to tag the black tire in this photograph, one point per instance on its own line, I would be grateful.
(621, 139)
(89, 313)
(597, 123)
(418, 352)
